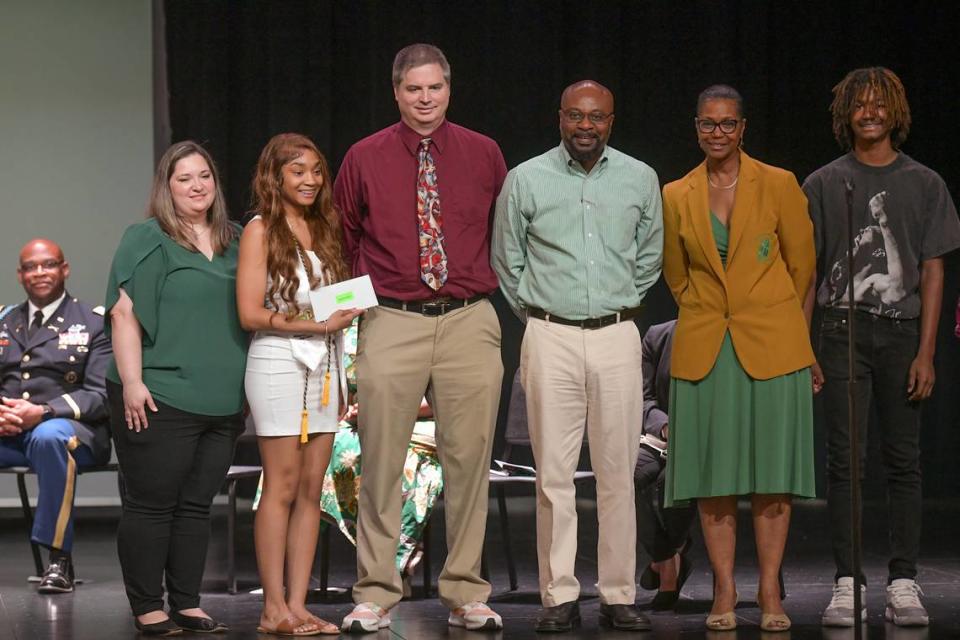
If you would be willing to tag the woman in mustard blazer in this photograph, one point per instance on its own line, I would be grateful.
(738, 256)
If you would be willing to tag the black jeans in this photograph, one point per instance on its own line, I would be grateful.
(171, 472)
(661, 531)
(883, 352)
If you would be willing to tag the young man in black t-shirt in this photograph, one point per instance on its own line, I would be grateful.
(904, 221)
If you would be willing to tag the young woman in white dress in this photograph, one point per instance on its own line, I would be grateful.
(294, 378)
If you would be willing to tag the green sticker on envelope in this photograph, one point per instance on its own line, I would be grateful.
(356, 293)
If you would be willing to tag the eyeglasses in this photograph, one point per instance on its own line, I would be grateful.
(596, 117)
(45, 265)
(705, 125)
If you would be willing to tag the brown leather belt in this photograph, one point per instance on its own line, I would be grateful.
(589, 323)
(431, 307)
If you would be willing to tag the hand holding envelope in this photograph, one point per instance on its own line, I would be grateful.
(347, 299)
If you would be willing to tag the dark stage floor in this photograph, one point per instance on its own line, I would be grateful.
(98, 608)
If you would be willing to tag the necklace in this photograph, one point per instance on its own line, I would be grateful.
(203, 230)
(729, 186)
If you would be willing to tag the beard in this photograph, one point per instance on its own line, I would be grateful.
(584, 155)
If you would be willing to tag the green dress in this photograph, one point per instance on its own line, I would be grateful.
(733, 435)
(194, 350)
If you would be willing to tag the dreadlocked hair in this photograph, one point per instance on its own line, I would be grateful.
(886, 86)
(322, 219)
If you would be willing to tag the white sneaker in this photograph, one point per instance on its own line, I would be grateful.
(839, 612)
(904, 608)
(366, 617)
(475, 615)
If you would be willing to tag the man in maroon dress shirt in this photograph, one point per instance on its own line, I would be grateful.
(417, 199)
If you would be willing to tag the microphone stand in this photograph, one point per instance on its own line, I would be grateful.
(854, 428)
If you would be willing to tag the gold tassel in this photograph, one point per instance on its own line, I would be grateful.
(325, 399)
(303, 427)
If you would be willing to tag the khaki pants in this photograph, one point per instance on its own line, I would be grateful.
(400, 355)
(574, 377)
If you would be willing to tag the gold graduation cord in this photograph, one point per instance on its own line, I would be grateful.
(303, 427)
(304, 415)
(304, 420)
(325, 397)
(326, 389)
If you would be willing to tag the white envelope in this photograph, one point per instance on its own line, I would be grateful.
(349, 294)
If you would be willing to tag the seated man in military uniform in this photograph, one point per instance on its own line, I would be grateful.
(53, 405)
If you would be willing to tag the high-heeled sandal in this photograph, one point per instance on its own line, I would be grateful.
(723, 621)
(774, 622)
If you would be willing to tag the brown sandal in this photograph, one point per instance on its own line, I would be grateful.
(288, 627)
(326, 628)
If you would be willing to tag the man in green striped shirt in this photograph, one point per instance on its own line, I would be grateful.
(577, 243)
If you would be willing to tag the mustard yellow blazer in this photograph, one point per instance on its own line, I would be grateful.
(758, 297)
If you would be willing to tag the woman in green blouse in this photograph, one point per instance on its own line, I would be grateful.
(175, 386)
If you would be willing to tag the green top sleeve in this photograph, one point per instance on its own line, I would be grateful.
(193, 348)
(139, 268)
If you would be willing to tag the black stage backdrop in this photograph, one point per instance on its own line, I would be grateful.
(240, 72)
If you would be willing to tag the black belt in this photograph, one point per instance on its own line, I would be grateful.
(432, 307)
(589, 323)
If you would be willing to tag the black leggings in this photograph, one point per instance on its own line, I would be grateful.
(171, 472)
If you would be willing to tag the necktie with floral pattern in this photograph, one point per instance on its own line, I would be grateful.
(433, 257)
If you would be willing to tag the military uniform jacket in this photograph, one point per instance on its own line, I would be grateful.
(63, 365)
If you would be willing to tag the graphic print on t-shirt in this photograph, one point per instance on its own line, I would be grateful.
(877, 267)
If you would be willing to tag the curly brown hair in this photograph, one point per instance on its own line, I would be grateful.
(886, 86)
(322, 219)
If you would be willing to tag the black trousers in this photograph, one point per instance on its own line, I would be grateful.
(171, 472)
(883, 352)
(661, 531)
